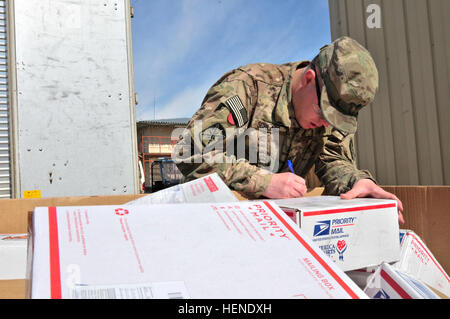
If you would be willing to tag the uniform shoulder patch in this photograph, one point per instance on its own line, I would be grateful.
(338, 134)
(212, 134)
(237, 110)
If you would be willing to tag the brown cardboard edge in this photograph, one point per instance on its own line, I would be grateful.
(13, 289)
(425, 211)
(14, 212)
(437, 292)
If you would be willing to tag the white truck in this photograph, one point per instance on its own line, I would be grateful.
(67, 100)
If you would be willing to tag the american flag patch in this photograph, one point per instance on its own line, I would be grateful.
(238, 110)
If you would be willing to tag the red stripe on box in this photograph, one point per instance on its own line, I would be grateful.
(391, 282)
(314, 253)
(429, 255)
(210, 183)
(346, 210)
(55, 270)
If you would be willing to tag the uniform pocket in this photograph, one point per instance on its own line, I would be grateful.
(269, 139)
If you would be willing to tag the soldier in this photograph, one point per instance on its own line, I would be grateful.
(258, 119)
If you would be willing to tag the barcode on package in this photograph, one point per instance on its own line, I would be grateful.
(164, 290)
(102, 292)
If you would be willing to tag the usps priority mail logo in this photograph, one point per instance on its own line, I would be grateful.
(322, 228)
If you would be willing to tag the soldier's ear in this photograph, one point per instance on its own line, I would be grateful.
(307, 77)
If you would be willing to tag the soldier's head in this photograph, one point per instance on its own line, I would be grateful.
(340, 81)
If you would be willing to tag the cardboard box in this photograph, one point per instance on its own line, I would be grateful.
(418, 261)
(425, 209)
(207, 189)
(426, 212)
(355, 233)
(390, 283)
(229, 250)
(14, 220)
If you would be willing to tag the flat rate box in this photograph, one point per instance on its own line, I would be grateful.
(206, 189)
(354, 233)
(221, 250)
(417, 260)
(390, 283)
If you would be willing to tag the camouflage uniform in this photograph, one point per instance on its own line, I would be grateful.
(251, 106)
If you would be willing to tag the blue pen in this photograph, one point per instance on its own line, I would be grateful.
(291, 167)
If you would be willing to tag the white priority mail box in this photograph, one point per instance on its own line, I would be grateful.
(417, 260)
(207, 189)
(224, 250)
(390, 283)
(355, 233)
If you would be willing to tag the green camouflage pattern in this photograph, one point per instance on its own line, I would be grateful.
(351, 81)
(265, 91)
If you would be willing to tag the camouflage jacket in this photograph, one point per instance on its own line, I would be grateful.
(246, 130)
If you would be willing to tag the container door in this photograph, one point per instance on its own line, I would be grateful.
(76, 128)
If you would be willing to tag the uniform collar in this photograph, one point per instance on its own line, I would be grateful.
(284, 109)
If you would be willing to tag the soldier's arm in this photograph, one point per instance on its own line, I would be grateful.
(336, 166)
(202, 148)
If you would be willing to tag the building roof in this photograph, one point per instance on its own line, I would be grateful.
(176, 121)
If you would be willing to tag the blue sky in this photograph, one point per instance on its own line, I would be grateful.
(181, 47)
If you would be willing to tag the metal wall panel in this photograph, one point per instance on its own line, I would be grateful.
(5, 166)
(75, 112)
(403, 135)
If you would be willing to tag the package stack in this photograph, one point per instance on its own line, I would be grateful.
(417, 274)
(362, 237)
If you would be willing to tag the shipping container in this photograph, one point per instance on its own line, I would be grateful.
(67, 100)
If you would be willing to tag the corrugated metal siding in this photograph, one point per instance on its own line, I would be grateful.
(5, 168)
(403, 136)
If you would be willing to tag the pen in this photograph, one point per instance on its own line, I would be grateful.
(291, 167)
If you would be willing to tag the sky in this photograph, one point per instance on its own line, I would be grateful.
(181, 47)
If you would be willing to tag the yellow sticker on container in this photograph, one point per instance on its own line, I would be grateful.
(32, 194)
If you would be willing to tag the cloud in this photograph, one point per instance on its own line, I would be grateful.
(165, 42)
(183, 104)
(181, 47)
(178, 28)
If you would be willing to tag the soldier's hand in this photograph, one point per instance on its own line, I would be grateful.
(367, 188)
(285, 185)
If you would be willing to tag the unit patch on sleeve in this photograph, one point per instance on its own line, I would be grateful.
(238, 110)
(212, 134)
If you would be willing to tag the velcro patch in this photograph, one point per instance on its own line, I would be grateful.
(238, 110)
(212, 134)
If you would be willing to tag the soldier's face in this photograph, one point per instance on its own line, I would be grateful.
(306, 101)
